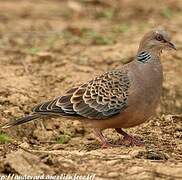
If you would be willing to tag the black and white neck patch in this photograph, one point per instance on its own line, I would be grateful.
(144, 56)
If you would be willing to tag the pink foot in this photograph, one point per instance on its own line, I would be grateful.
(129, 140)
(109, 145)
(105, 143)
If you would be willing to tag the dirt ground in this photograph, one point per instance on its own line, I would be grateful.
(47, 47)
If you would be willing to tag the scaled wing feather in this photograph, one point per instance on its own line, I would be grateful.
(100, 98)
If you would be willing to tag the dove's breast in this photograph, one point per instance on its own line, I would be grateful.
(144, 95)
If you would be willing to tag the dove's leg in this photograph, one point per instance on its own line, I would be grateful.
(131, 140)
(104, 141)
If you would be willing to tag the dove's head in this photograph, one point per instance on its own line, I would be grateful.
(156, 41)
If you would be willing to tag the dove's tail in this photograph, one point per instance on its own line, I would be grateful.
(21, 121)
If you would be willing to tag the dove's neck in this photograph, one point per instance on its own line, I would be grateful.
(148, 56)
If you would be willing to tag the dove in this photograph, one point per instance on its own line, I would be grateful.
(120, 98)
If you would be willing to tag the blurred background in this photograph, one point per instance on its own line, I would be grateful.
(48, 46)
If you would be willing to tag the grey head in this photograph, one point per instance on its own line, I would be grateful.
(152, 45)
(156, 41)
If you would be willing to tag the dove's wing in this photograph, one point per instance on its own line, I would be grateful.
(100, 98)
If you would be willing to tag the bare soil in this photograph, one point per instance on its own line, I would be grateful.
(47, 47)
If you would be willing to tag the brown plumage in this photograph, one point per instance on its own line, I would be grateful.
(121, 98)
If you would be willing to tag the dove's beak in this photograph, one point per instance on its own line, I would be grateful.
(171, 45)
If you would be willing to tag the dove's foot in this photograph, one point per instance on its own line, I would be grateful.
(128, 140)
(105, 143)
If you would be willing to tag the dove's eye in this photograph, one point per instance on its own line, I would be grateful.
(159, 37)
